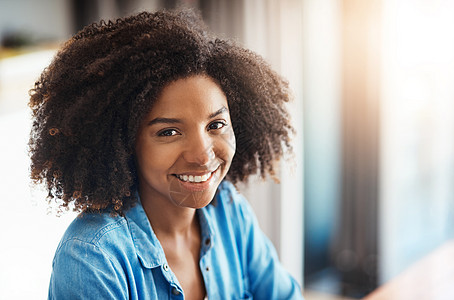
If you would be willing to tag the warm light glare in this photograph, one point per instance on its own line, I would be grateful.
(417, 151)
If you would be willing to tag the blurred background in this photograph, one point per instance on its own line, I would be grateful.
(371, 189)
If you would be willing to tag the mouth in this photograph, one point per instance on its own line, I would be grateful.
(195, 178)
(196, 181)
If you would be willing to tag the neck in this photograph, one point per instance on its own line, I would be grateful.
(167, 219)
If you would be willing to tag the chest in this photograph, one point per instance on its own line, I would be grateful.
(183, 260)
(188, 273)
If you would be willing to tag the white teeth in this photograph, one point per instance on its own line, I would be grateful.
(197, 179)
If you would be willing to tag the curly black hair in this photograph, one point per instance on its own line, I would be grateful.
(89, 102)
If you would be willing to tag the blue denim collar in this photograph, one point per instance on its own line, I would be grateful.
(148, 247)
(146, 243)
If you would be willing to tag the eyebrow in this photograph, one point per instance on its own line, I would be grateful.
(177, 121)
(164, 120)
(218, 112)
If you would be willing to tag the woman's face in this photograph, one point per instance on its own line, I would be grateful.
(185, 144)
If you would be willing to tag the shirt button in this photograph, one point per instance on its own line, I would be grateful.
(207, 241)
(207, 268)
(166, 267)
(175, 291)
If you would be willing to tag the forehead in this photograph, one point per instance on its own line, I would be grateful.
(189, 97)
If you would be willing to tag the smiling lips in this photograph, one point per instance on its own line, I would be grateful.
(194, 179)
(196, 182)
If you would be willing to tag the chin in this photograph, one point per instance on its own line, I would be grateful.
(193, 199)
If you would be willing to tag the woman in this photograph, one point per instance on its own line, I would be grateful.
(137, 123)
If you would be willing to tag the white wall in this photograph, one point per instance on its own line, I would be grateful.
(43, 19)
(322, 124)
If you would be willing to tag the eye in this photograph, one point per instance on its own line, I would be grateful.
(216, 125)
(168, 132)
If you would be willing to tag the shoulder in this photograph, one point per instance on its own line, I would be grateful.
(93, 228)
(94, 241)
(94, 248)
(227, 192)
(228, 195)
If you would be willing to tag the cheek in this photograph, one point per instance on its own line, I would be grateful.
(153, 159)
(228, 145)
(145, 163)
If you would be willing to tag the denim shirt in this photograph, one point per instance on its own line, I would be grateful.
(113, 257)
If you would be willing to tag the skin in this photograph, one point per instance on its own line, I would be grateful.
(187, 133)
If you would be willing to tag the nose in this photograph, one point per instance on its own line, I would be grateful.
(199, 149)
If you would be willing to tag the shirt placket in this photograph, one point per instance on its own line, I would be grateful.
(205, 262)
(175, 290)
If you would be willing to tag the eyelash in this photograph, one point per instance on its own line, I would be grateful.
(165, 131)
(215, 123)
(173, 132)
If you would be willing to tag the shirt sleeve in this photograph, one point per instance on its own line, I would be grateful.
(267, 277)
(82, 270)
